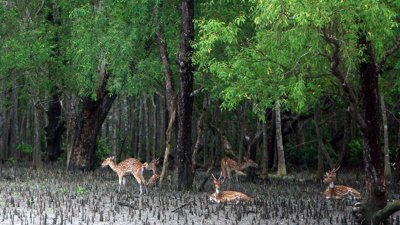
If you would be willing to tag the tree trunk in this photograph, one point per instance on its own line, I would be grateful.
(170, 98)
(114, 121)
(252, 146)
(37, 162)
(154, 128)
(396, 167)
(200, 132)
(55, 127)
(162, 111)
(368, 118)
(136, 128)
(168, 145)
(300, 138)
(146, 122)
(185, 175)
(13, 134)
(322, 152)
(3, 124)
(71, 117)
(90, 121)
(243, 131)
(140, 130)
(346, 133)
(373, 154)
(279, 144)
(265, 156)
(387, 170)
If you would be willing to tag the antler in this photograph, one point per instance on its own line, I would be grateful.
(155, 161)
(213, 176)
(334, 170)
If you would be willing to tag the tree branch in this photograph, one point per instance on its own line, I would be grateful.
(390, 52)
(335, 61)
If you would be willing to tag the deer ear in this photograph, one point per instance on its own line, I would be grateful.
(222, 180)
(112, 157)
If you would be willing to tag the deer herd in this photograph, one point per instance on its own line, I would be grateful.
(135, 167)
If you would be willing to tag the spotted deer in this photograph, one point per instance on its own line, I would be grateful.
(153, 167)
(227, 196)
(334, 191)
(228, 165)
(126, 167)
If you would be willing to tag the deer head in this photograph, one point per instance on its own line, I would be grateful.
(330, 176)
(218, 182)
(153, 165)
(108, 161)
(249, 162)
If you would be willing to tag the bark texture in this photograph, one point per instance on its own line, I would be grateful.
(279, 143)
(55, 127)
(184, 173)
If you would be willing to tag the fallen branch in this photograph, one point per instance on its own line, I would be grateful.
(187, 203)
(383, 214)
(126, 204)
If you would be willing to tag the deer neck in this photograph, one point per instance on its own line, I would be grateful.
(331, 185)
(242, 165)
(113, 166)
(217, 191)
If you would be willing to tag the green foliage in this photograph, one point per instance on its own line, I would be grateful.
(355, 152)
(81, 190)
(283, 58)
(115, 34)
(103, 150)
(25, 148)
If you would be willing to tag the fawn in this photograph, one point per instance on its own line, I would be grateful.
(127, 166)
(338, 191)
(227, 196)
(228, 164)
(153, 167)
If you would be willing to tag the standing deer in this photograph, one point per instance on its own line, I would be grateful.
(338, 191)
(128, 166)
(228, 164)
(227, 196)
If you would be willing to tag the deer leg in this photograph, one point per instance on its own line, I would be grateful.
(144, 183)
(223, 170)
(140, 181)
(119, 182)
(228, 170)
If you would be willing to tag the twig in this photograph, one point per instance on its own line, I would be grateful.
(187, 203)
(126, 204)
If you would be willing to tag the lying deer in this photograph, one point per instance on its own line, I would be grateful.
(228, 164)
(153, 179)
(338, 191)
(227, 196)
(128, 166)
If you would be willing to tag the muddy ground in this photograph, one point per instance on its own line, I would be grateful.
(53, 196)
